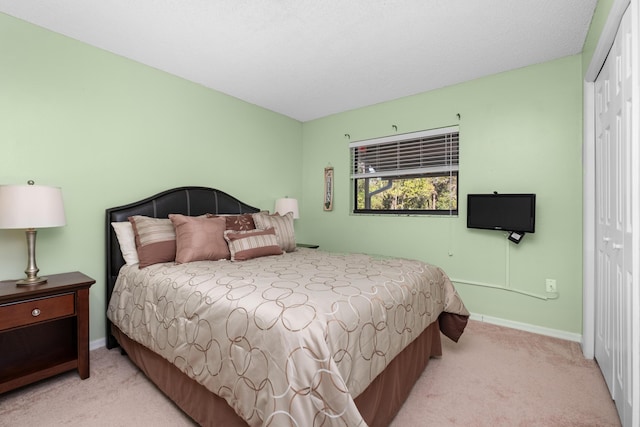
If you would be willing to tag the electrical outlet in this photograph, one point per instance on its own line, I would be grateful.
(551, 285)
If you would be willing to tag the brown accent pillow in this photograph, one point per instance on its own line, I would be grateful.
(248, 244)
(155, 239)
(199, 238)
(237, 222)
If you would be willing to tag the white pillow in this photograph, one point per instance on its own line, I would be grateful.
(127, 241)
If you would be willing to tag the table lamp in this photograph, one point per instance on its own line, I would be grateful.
(286, 205)
(30, 207)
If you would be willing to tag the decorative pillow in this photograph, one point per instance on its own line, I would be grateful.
(248, 244)
(283, 225)
(199, 238)
(237, 222)
(155, 239)
(127, 241)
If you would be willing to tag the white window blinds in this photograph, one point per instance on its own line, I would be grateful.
(428, 152)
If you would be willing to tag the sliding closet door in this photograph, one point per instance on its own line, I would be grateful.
(605, 228)
(614, 231)
(622, 384)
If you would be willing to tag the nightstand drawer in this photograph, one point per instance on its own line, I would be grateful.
(36, 310)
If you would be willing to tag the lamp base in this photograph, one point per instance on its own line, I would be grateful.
(32, 269)
(29, 281)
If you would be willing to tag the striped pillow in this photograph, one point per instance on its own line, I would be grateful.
(248, 244)
(155, 239)
(283, 225)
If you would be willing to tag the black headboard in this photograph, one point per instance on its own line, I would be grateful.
(191, 201)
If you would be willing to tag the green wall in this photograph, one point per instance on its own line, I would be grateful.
(520, 131)
(110, 131)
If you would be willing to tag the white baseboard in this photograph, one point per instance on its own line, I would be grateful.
(569, 336)
(96, 344)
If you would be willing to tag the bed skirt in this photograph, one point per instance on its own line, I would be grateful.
(378, 403)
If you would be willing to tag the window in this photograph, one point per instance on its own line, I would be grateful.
(413, 173)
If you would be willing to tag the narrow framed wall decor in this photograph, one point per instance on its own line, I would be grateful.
(328, 189)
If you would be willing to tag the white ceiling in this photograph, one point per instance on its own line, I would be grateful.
(311, 58)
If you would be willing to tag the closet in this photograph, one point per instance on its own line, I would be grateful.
(616, 255)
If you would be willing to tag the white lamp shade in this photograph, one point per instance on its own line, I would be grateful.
(286, 205)
(31, 206)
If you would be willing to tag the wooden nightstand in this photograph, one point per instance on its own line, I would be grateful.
(44, 329)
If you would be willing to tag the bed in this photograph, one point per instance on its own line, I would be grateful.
(303, 337)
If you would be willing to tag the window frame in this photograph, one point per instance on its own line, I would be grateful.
(450, 169)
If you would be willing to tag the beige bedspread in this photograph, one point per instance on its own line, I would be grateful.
(288, 339)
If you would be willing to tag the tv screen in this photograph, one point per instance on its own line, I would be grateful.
(509, 212)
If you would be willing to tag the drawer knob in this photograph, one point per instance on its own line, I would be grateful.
(35, 312)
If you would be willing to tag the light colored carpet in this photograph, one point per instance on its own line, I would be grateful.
(497, 376)
(494, 376)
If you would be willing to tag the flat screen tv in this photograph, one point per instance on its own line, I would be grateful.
(509, 212)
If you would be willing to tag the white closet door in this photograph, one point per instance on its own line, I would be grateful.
(605, 167)
(614, 231)
(623, 244)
